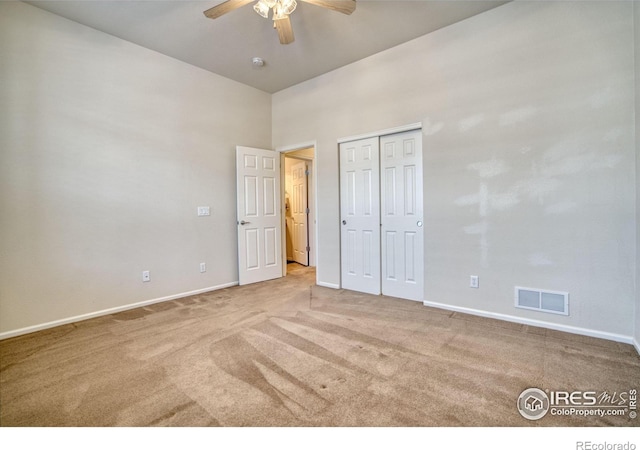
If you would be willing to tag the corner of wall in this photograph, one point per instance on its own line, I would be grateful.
(636, 42)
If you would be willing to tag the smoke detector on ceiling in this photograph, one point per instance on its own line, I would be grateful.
(257, 62)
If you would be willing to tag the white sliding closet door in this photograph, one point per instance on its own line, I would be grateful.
(381, 205)
(402, 221)
(360, 215)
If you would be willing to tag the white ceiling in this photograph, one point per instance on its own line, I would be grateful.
(324, 39)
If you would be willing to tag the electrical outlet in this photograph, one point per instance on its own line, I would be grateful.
(145, 276)
(203, 267)
(204, 211)
(474, 282)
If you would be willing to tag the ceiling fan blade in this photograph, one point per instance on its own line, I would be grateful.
(343, 6)
(225, 7)
(285, 32)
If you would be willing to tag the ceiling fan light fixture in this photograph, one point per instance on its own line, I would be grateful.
(288, 6)
(280, 10)
(283, 8)
(262, 8)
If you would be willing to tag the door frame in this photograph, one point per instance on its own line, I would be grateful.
(313, 202)
(308, 164)
(395, 130)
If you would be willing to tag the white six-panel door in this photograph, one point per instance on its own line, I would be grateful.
(401, 210)
(258, 212)
(360, 215)
(381, 202)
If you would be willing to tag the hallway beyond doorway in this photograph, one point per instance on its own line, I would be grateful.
(294, 267)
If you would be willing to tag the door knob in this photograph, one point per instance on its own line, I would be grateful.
(344, 222)
(242, 222)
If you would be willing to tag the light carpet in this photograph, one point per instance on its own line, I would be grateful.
(289, 353)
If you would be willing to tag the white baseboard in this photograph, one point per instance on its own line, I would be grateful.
(636, 344)
(538, 323)
(104, 312)
(328, 285)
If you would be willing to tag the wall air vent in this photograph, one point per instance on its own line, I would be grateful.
(542, 300)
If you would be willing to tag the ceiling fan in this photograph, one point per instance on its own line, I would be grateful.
(280, 10)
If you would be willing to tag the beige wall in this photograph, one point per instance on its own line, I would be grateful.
(107, 149)
(528, 150)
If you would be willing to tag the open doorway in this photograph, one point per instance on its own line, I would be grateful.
(299, 208)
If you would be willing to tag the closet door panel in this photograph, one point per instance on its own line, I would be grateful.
(360, 215)
(402, 210)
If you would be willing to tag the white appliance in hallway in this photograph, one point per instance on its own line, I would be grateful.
(381, 200)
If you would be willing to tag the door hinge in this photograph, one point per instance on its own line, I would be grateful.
(308, 249)
(307, 211)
